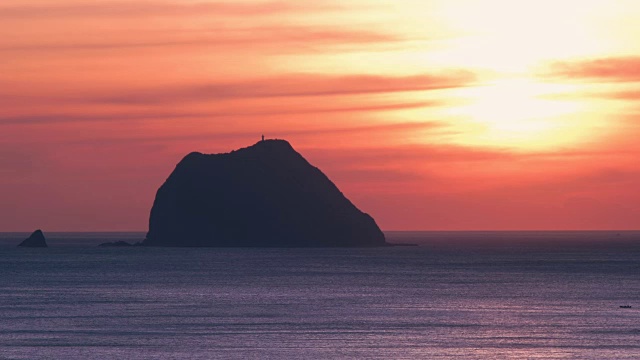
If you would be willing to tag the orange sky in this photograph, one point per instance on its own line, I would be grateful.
(428, 114)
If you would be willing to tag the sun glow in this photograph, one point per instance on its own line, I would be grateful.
(513, 36)
(515, 113)
(508, 45)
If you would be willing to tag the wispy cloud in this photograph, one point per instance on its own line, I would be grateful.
(614, 69)
(169, 115)
(160, 8)
(298, 85)
(247, 26)
(292, 89)
(386, 128)
(285, 39)
(436, 153)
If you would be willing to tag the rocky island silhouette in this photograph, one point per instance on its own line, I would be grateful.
(35, 240)
(264, 195)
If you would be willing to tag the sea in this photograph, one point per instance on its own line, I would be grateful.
(457, 295)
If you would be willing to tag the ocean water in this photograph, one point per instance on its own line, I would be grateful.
(477, 295)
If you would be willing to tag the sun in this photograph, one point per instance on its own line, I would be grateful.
(517, 113)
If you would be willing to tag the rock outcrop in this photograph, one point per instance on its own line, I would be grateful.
(36, 240)
(265, 195)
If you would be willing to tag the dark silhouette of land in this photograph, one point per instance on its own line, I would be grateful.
(35, 240)
(265, 195)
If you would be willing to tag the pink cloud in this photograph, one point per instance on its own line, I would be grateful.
(159, 8)
(280, 39)
(248, 111)
(617, 69)
(295, 85)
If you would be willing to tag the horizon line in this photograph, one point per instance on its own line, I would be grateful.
(385, 231)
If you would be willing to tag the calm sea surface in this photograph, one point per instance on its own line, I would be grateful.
(473, 295)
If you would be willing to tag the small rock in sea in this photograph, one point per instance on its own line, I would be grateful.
(36, 240)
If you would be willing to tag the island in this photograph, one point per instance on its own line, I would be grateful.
(264, 195)
(35, 240)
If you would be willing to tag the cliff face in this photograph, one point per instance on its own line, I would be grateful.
(36, 239)
(266, 195)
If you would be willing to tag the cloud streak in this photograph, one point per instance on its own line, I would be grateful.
(145, 9)
(386, 129)
(300, 85)
(128, 117)
(286, 39)
(414, 153)
(614, 69)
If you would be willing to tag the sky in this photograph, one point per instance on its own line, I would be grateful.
(427, 114)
